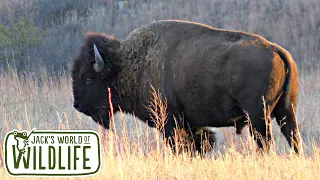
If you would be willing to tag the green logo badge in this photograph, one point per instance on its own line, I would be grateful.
(52, 153)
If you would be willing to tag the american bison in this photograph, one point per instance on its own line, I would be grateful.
(210, 77)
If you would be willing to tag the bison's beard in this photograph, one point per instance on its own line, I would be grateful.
(101, 118)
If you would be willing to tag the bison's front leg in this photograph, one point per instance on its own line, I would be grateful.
(176, 134)
(170, 133)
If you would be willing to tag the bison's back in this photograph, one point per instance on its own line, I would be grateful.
(204, 72)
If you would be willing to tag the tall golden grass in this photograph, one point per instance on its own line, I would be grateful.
(135, 151)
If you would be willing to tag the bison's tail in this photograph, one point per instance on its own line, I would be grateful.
(292, 76)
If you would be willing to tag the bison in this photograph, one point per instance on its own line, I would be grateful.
(211, 77)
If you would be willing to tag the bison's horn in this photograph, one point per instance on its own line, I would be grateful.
(99, 64)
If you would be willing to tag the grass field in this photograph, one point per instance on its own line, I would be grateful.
(45, 102)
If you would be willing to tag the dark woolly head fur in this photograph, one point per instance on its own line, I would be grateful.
(108, 47)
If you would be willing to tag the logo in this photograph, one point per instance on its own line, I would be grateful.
(52, 153)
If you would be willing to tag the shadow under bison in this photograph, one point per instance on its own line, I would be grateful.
(210, 77)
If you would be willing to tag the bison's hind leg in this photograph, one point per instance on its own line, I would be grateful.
(288, 123)
(257, 127)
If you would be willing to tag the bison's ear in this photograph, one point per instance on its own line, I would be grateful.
(99, 63)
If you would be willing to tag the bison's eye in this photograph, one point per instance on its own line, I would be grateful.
(88, 82)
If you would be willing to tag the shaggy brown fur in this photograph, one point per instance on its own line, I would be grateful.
(209, 76)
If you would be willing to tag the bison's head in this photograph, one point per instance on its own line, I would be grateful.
(93, 72)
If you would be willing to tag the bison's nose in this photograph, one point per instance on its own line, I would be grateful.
(76, 106)
(81, 109)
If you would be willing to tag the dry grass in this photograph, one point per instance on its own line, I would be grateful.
(137, 151)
